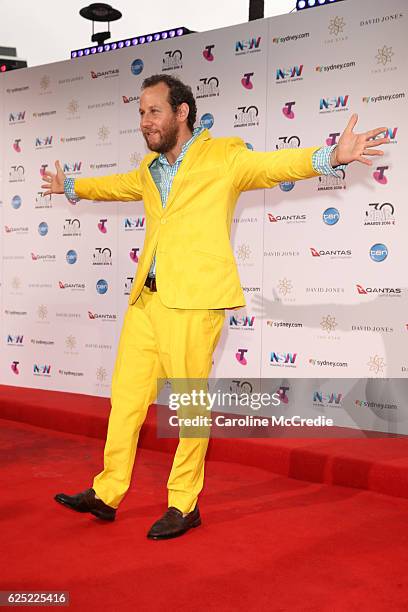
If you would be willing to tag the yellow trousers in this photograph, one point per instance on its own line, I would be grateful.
(156, 343)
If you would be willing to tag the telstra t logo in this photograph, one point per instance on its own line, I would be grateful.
(14, 367)
(287, 110)
(332, 139)
(282, 394)
(16, 145)
(246, 80)
(134, 254)
(207, 53)
(379, 175)
(101, 226)
(240, 356)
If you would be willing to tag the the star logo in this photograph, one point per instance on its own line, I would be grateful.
(73, 107)
(45, 82)
(135, 159)
(384, 55)
(103, 133)
(42, 312)
(243, 252)
(101, 374)
(285, 286)
(15, 282)
(70, 342)
(376, 364)
(328, 324)
(336, 26)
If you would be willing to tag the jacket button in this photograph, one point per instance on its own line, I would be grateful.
(163, 221)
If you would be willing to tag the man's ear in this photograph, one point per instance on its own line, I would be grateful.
(183, 111)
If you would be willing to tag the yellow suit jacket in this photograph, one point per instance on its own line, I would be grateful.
(195, 265)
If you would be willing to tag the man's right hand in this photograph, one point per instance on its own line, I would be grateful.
(54, 183)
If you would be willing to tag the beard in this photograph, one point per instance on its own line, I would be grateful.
(167, 140)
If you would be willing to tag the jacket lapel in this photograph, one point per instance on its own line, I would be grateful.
(190, 157)
(150, 185)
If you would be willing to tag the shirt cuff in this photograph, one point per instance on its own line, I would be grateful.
(321, 162)
(69, 190)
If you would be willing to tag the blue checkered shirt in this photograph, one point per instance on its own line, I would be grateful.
(163, 174)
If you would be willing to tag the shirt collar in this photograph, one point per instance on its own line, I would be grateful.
(163, 159)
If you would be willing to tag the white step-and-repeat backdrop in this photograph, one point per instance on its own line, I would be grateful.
(322, 262)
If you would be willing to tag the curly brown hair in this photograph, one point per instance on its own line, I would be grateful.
(178, 93)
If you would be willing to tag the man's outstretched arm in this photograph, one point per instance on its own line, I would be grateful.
(258, 170)
(122, 187)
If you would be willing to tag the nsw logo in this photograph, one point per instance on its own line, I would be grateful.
(284, 75)
(286, 360)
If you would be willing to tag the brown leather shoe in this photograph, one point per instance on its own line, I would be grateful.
(173, 524)
(87, 502)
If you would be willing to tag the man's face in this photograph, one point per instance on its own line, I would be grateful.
(158, 121)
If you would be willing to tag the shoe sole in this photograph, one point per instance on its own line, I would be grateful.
(98, 515)
(196, 523)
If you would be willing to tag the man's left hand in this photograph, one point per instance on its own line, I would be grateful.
(354, 147)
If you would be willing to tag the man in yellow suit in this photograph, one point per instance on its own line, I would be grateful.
(186, 275)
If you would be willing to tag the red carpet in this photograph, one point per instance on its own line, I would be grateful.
(267, 542)
(376, 464)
